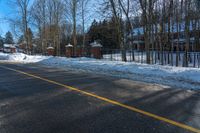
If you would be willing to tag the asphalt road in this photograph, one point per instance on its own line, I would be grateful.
(34, 99)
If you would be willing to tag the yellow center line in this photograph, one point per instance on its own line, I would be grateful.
(157, 117)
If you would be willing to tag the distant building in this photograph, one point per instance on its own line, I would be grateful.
(9, 48)
(177, 38)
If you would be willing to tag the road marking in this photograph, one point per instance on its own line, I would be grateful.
(160, 118)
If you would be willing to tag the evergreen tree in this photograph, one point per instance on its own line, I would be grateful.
(9, 38)
(1, 41)
(105, 33)
(21, 39)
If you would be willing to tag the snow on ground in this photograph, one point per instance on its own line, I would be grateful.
(186, 78)
(140, 57)
(21, 58)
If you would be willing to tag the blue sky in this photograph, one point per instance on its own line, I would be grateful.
(5, 10)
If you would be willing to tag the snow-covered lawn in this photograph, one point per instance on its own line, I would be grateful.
(187, 78)
(140, 57)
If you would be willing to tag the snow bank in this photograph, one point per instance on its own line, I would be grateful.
(4, 56)
(21, 58)
(188, 78)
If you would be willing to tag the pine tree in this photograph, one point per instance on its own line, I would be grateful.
(1, 41)
(9, 38)
(21, 39)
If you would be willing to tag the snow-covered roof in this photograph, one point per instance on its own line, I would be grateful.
(34, 45)
(12, 46)
(95, 44)
(69, 45)
(9, 46)
(6, 45)
(50, 48)
(138, 31)
(183, 40)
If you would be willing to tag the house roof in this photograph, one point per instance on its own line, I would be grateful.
(9, 45)
(69, 45)
(95, 44)
(50, 48)
(183, 40)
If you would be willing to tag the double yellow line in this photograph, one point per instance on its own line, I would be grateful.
(160, 118)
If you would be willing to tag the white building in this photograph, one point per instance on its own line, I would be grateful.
(9, 48)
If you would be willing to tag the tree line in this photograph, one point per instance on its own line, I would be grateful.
(162, 18)
(58, 22)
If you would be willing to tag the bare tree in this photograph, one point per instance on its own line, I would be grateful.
(72, 12)
(126, 8)
(187, 31)
(22, 20)
(39, 19)
(84, 11)
(147, 7)
(49, 16)
(117, 15)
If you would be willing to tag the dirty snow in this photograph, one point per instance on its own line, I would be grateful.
(179, 77)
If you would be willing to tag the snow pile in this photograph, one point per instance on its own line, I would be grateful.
(188, 78)
(4, 56)
(21, 58)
